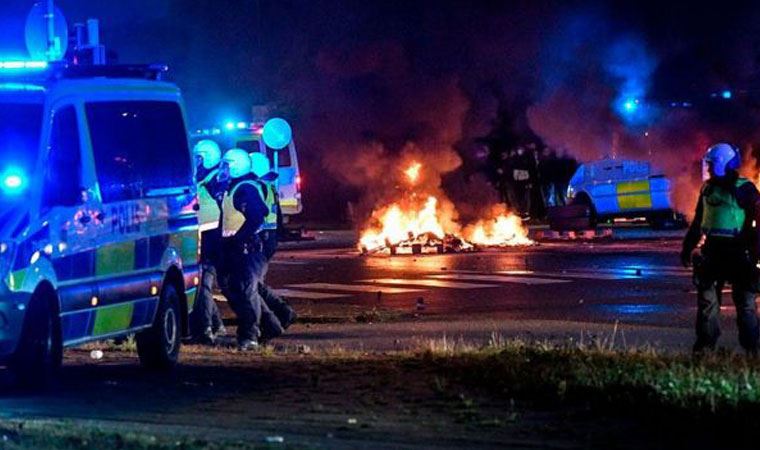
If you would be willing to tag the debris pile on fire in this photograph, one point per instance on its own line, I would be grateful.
(504, 230)
(417, 224)
(411, 230)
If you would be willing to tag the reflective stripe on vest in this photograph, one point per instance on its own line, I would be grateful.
(232, 219)
(208, 214)
(270, 221)
(721, 213)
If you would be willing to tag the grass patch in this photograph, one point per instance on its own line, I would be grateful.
(718, 384)
(45, 435)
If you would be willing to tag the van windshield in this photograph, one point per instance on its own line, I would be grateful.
(20, 125)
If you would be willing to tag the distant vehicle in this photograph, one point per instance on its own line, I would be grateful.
(247, 136)
(622, 188)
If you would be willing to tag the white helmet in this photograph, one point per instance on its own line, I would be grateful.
(259, 164)
(723, 157)
(209, 153)
(238, 161)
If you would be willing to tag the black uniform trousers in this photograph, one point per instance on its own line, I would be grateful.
(722, 262)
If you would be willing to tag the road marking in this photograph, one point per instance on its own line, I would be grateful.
(354, 288)
(726, 290)
(565, 274)
(289, 263)
(500, 279)
(429, 283)
(294, 293)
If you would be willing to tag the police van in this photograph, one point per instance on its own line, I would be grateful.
(622, 188)
(98, 228)
(248, 136)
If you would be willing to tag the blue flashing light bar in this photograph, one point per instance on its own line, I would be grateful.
(23, 65)
(21, 87)
(229, 125)
(726, 94)
(13, 181)
(242, 125)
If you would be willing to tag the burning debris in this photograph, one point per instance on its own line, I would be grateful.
(505, 230)
(417, 224)
(411, 230)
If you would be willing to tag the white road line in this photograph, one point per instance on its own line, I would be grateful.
(500, 279)
(429, 283)
(562, 274)
(294, 293)
(354, 288)
(591, 274)
(289, 263)
(633, 273)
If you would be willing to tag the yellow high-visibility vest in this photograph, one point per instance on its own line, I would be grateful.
(208, 214)
(233, 219)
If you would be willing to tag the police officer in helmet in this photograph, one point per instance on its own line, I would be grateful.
(243, 213)
(205, 320)
(724, 246)
(285, 314)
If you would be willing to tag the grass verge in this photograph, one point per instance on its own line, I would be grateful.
(722, 384)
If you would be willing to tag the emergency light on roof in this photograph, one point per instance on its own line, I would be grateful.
(21, 65)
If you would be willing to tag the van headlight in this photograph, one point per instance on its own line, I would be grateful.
(570, 192)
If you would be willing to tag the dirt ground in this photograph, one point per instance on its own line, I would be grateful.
(296, 398)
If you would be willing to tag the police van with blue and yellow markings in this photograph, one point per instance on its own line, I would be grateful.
(622, 188)
(98, 222)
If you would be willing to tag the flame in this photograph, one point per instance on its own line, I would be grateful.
(505, 230)
(413, 172)
(418, 219)
(398, 225)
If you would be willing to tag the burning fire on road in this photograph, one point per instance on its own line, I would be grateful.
(419, 223)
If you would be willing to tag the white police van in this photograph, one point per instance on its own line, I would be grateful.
(98, 228)
(622, 188)
(248, 136)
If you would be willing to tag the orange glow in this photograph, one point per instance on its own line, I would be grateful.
(422, 220)
(506, 230)
(413, 172)
(397, 225)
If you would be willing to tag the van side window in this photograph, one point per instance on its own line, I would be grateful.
(63, 170)
(283, 156)
(138, 146)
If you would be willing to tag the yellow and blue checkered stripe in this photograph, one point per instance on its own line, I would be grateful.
(633, 195)
(108, 290)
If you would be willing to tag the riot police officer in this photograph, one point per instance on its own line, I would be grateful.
(260, 167)
(723, 245)
(243, 212)
(205, 320)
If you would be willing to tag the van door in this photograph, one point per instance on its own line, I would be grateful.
(69, 212)
(634, 190)
(143, 164)
(606, 174)
(289, 179)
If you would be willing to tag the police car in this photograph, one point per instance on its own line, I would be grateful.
(98, 228)
(248, 136)
(622, 188)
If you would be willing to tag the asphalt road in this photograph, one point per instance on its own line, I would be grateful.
(629, 292)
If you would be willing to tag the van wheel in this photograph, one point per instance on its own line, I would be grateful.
(39, 354)
(158, 346)
(593, 218)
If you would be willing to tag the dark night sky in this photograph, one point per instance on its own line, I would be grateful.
(437, 73)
